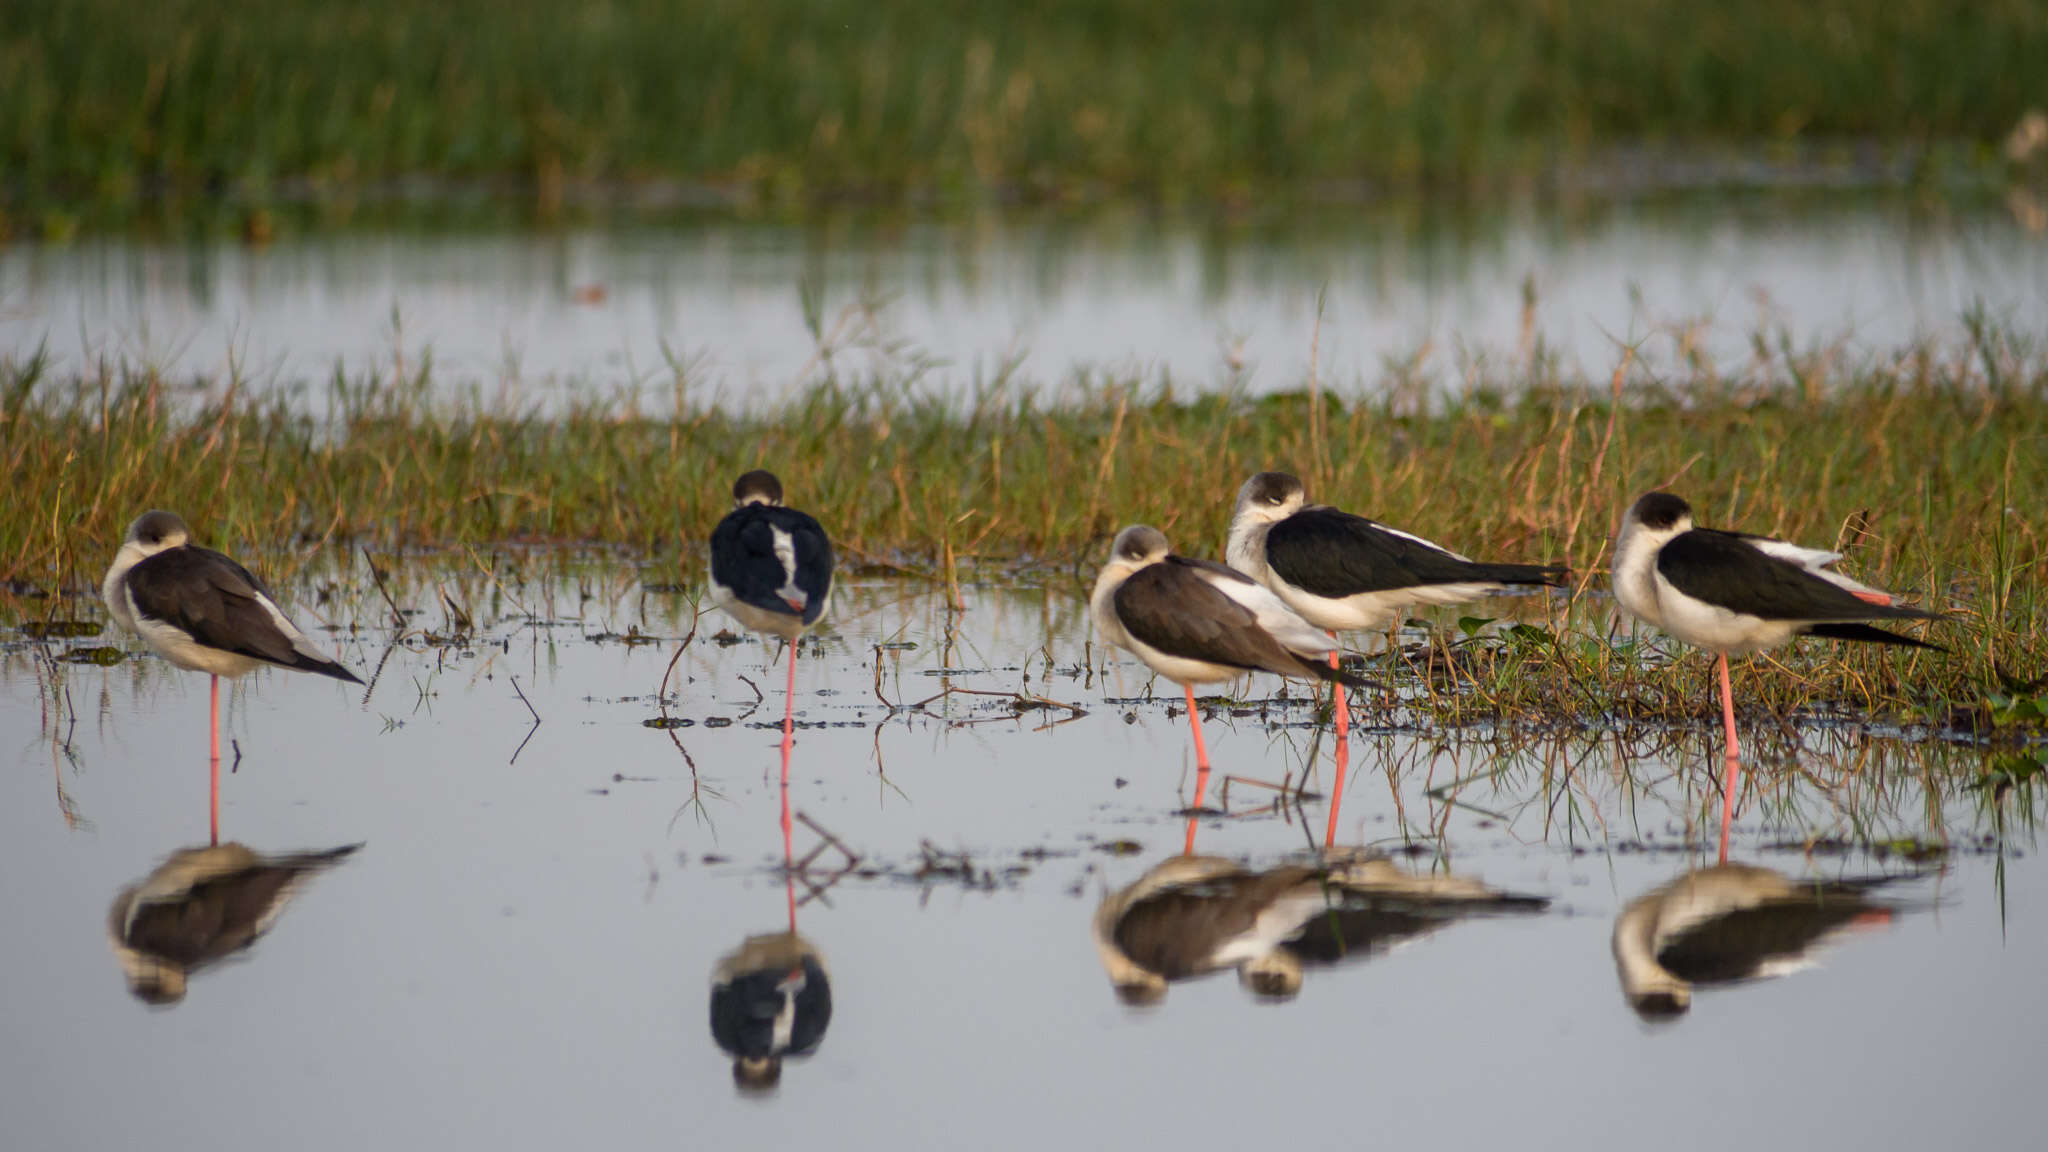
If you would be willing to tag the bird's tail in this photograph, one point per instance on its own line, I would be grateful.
(1554, 575)
(1869, 635)
(322, 859)
(1324, 672)
(309, 663)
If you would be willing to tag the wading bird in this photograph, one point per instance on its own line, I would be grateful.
(1731, 593)
(1192, 915)
(1730, 923)
(202, 906)
(1199, 622)
(202, 611)
(771, 569)
(1345, 573)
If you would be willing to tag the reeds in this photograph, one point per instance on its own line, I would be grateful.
(110, 107)
(1923, 465)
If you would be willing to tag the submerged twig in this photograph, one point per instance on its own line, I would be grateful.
(531, 711)
(377, 577)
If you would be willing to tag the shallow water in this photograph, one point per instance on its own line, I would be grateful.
(521, 952)
(538, 318)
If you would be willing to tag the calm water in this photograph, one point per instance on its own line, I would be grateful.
(520, 954)
(535, 318)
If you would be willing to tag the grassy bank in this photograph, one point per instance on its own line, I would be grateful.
(1920, 447)
(109, 106)
(1923, 465)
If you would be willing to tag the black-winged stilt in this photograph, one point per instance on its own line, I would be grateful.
(202, 906)
(1731, 593)
(1192, 915)
(1345, 573)
(1199, 622)
(203, 612)
(771, 569)
(1730, 923)
(770, 998)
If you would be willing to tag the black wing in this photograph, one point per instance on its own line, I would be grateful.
(220, 915)
(1361, 924)
(743, 558)
(744, 1008)
(213, 600)
(1176, 931)
(1327, 552)
(1720, 568)
(1170, 607)
(1734, 947)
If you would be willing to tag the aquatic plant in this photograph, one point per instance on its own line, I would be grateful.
(1918, 463)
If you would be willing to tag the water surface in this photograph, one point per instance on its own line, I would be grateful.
(1438, 294)
(520, 954)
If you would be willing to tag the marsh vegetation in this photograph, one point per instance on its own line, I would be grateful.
(189, 110)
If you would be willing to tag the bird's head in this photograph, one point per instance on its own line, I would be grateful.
(1660, 514)
(757, 487)
(756, 1075)
(1268, 497)
(156, 531)
(1137, 546)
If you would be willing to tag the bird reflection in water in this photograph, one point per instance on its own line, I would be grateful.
(771, 997)
(1193, 915)
(1731, 923)
(202, 906)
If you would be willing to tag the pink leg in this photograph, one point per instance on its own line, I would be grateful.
(1201, 754)
(1341, 770)
(1339, 699)
(213, 769)
(788, 741)
(789, 715)
(788, 850)
(1732, 765)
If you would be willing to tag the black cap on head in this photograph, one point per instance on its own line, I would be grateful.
(156, 526)
(1660, 1006)
(1141, 993)
(1274, 487)
(754, 1075)
(1660, 510)
(157, 992)
(1138, 542)
(757, 487)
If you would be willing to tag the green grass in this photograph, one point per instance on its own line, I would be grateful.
(1922, 464)
(110, 107)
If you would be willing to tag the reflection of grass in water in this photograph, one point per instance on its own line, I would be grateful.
(1646, 788)
(109, 103)
(1920, 464)
(1627, 766)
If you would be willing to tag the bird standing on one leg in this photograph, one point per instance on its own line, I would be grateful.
(1731, 923)
(203, 612)
(1731, 593)
(203, 906)
(771, 569)
(1346, 573)
(1198, 622)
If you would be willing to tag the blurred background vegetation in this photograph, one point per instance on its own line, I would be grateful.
(110, 106)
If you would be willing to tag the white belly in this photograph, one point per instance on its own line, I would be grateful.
(173, 645)
(1367, 611)
(787, 625)
(1718, 629)
(1180, 669)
